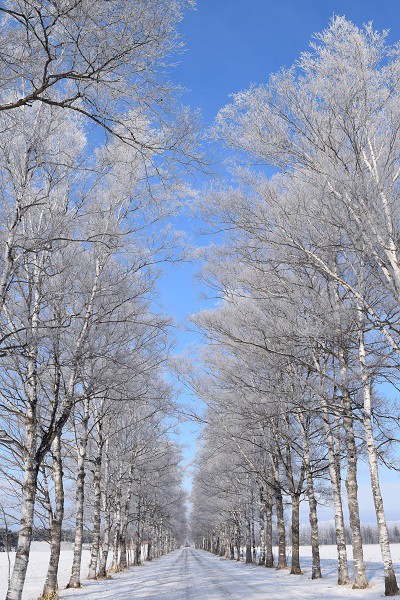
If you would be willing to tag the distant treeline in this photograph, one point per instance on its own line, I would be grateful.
(369, 534)
(40, 534)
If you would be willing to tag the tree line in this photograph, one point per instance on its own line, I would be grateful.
(299, 369)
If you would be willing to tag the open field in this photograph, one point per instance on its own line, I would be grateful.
(37, 569)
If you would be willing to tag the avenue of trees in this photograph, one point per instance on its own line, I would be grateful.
(94, 143)
(298, 368)
(303, 343)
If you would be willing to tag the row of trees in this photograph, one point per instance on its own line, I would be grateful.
(93, 145)
(307, 326)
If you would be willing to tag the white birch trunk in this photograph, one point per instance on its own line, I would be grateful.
(391, 587)
(269, 555)
(334, 475)
(117, 527)
(125, 518)
(75, 579)
(51, 584)
(31, 466)
(248, 538)
(313, 516)
(360, 578)
(280, 517)
(16, 584)
(94, 556)
(261, 560)
(105, 547)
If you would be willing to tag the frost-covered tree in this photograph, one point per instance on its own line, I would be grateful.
(307, 273)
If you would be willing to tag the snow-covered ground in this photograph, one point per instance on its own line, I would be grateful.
(39, 559)
(196, 575)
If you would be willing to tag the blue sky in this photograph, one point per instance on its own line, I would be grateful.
(230, 45)
(234, 43)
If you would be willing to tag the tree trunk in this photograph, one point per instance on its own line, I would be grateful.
(138, 541)
(75, 579)
(253, 538)
(122, 552)
(232, 541)
(262, 529)
(334, 474)
(94, 556)
(280, 518)
(391, 587)
(312, 502)
(157, 543)
(269, 555)
(248, 540)
(105, 546)
(223, 551)
(360, 579)
(51, 584)
(122, 561)
(17, 581)
(217, 543)
(117, 528)
(31, 463)
(282, 564)
(295, 568)
(313, 518)
(238, 538)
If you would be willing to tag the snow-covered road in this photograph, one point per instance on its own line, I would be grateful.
(189, 574)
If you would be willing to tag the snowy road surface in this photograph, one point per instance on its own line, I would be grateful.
(189, 574)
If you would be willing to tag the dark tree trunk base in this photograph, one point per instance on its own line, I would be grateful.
(343, 580)
(391, 587)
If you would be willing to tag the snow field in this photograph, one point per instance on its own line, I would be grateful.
(37, 569)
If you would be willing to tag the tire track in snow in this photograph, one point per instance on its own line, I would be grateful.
(213, 577)
(175, 574)
(185, 575)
